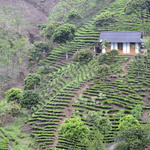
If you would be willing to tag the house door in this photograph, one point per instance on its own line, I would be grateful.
(120, 48)
(132, 49)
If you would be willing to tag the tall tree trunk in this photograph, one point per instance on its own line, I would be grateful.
(66, 54)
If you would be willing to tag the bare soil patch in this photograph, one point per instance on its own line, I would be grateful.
(145, 114)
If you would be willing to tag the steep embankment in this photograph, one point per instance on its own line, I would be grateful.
(35, 12)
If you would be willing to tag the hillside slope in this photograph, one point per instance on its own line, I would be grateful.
(35, 12)
(68, 89)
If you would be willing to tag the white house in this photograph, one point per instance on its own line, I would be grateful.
(127, 42)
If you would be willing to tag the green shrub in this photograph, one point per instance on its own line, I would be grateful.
(102, 58)
(30, 98)
(39, 51)
(73, 15)
(128, 121)
(104, 19)
(137, 111)
(112, 53)
(15, 109)
(133, 138)
(32, 81)
(50, 28)
(14, 94)
(103, 69)
(83, 56)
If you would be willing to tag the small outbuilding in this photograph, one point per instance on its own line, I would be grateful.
(127, 42)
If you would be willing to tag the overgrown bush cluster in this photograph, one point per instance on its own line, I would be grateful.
(83, 56)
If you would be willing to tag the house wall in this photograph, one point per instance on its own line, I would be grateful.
(127, 49)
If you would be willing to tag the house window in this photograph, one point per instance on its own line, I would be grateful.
(120, 46)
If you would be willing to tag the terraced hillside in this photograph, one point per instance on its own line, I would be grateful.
(121, 91)
(71, 89)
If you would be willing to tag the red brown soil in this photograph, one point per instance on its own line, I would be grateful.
(124, 64)
(145, 114)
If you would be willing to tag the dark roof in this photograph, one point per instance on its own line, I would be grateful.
(121, 36)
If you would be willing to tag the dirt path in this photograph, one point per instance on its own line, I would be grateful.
(68, 112)
(145, 114)
(124, 64)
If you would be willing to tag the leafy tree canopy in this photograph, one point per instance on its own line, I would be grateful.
(73, 15)
(64, 33)
(32, 81)
(30, 98)
(14, 94)
(128, 121)
(75, 129)
(133, 138)
(104, 19)
(50, 28)
(103, 69)
(83, 56)
(136, 6)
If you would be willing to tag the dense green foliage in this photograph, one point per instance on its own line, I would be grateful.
(73, 15)
(63, 82)
(128, 121)
(83, 56)
(108, 57)
(104, 19)
(38, 51)
(103, 69)
(133, 138)
(64, 33)
(61, 9)
(75, 129)
(32, 81)
(14, 95)
(30, 98)
(50, 28)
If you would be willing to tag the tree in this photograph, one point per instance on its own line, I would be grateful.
(103, 70)
(64, 34)
(30, 98)
(83, 56)
(104, 19)
(73, 15)
(102, 59)
(101, 125)
(50, 28)
(38, 51)
(32, 81)
(133, 138)
(112, 53)
(75, 130)
(105, 44)
(128, 121)
(14, 94)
